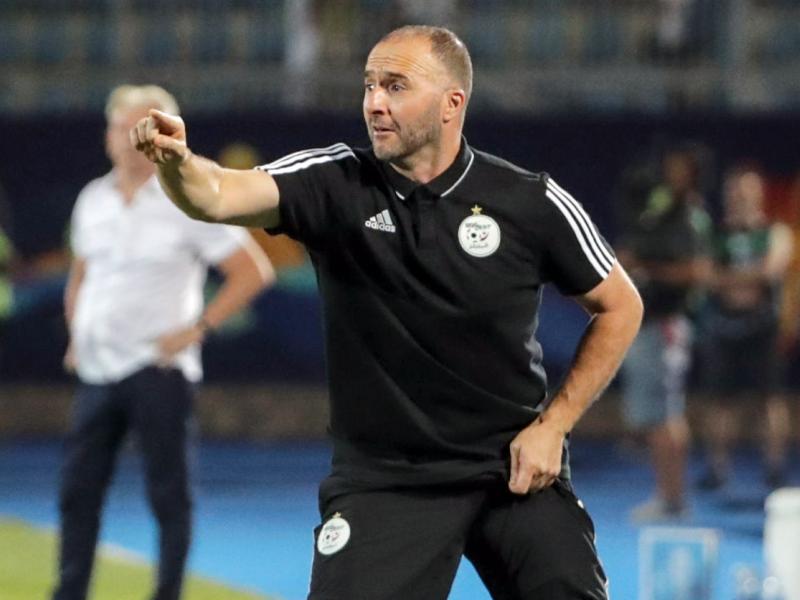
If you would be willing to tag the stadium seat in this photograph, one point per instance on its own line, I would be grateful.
(50, 42)
(210, 39)
(486, 35)
(101, 39)
(265, 39)
(603, 39)
(547, 38)
(13, 43)
(158, 43)
(782, 44)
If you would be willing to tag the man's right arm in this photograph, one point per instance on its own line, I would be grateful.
(200, 187)
(77, 271)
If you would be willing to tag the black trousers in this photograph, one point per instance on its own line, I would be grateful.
(155, 404)
(407, 544)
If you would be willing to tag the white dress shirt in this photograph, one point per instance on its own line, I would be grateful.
(146, 264)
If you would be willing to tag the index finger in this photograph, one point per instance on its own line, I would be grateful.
(521, 473)
(165, 122)
(513, 450)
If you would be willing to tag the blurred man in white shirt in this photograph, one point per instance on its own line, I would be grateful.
(136, 316)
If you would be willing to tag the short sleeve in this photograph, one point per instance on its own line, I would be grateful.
(75, 240)
(576, 257)
(213, 242)
(308, 181)
(77, 228)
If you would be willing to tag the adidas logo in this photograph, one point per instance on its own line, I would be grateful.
(381, 222)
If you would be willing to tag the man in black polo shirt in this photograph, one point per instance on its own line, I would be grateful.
(431, 257)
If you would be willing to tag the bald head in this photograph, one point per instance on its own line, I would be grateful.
(445, 46)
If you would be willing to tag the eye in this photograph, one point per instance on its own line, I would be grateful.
(369, 86)
(396, 87)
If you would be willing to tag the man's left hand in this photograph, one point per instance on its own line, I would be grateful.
(535, 457)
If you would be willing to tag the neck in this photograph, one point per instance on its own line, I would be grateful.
(129, 180)
(430, 161)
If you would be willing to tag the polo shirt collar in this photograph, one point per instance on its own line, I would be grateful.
(440, 186)
(150, 186)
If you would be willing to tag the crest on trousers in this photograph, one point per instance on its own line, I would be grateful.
(333, 536)
(479, 234)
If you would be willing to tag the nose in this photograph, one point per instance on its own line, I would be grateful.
(375, 101)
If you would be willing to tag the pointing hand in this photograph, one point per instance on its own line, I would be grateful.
(161, 137)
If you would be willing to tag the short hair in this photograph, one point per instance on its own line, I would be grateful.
(133, 96)
(446, 46)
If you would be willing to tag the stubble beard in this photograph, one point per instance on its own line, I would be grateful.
(411, 138)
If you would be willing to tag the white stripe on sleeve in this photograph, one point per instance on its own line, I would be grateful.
(314, 160)
(601, 268)
(586, 222)
(303, 155)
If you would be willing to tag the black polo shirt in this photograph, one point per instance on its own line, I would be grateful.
(430, 300)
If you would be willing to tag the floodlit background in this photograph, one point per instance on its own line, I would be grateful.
(591, 91)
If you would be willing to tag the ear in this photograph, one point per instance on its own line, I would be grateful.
(454, 103)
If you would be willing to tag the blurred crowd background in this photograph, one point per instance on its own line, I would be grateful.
(592, 91)
(533, 55)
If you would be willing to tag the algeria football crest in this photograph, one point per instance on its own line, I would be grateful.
(333, 536)
(479, 234)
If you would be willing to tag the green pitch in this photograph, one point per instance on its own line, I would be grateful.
(27, 570)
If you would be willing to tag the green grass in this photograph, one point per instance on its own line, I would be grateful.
(27, 571)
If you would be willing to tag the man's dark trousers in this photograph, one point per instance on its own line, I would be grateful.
(156, 404)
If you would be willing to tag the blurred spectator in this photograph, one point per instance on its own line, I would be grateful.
(790, 302)
(302, 52)
(136, 317)
(338, 30)
(752, 258)
(683, 30)
(672, 28)
(6, 254)
(6, 277)
(31, 308)
(665, 248)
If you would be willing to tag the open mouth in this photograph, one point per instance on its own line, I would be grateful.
(379, 130)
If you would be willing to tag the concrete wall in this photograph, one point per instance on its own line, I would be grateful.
(247, 412)
(261, 413)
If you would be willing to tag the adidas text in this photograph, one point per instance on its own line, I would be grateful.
(381, 222)
(380, 226)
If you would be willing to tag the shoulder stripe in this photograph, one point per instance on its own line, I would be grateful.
(585, 221)
(285, 161)
(602, 269)
(309, 161)
(294, 157)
